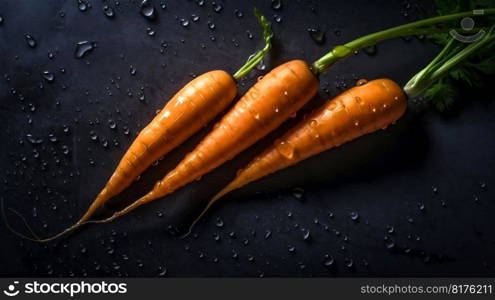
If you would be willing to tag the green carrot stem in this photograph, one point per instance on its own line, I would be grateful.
(256, 59)
(445, 61)
(342, 51)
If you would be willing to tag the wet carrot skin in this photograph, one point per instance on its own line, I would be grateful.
(355, 112)
(197, 103)
(270, 102)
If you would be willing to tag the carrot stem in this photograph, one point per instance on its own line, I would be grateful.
(342, 51)
(256, 58)
(445, 61)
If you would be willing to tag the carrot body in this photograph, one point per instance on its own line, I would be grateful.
(270, 102)
(356, 112)
(189, 110)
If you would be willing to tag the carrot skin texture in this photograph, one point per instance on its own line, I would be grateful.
(354, 113)
(270, 102)
(197, 103)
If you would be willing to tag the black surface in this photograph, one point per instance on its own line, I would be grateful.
(442, 161)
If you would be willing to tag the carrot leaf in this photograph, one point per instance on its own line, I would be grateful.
(441, 96)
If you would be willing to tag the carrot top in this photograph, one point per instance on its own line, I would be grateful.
(453, 62)
(257, 57)
(415, 28)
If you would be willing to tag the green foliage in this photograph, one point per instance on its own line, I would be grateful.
(441, 95)
(472, 69)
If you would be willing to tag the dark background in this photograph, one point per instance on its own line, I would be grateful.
(422, 189)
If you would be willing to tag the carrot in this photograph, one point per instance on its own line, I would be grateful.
(196, 104)
(271, 101)
(263, 108)
(358, 111)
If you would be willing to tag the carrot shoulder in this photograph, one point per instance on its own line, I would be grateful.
(270, 102)
(356, 112)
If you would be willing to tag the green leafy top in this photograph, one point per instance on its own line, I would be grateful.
(472, 68)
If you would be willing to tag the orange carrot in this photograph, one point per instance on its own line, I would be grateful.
(356, 112)
(270, 102)
(265, 107)
(189, 110)
(197, 103)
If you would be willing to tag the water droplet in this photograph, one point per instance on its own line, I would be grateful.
(238, 13)
(329, 262)
(211, 25)
(1, 20)
(277, 18)
(317, 34)
(195, 17)
(52, 138)
(111, 123)
(162, 271)
(184, 22)
(83, 48)
(371, 50)
(219, 222)
(349, 263)
(298, 193)
(276, 4)
(421, 206)
(150, 31)
(249, 34)
(200, 2)
(306, 235)
(434, 189)
(361, 82)
(65, 149)
(108, 11)
(93, 135)
(285, 148)
(132, 70)
(82, 5)
(268, 234)
(31, 41)
(148, 9)
(390, 244)
(48, 76)
(482, 185)
(354, 216)
(217, 7)
(33, 139)
(291, 248)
